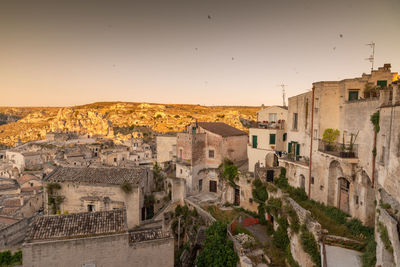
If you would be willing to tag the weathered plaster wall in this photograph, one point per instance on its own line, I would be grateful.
(113, 250)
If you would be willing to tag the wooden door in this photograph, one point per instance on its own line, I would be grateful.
(213, 186)
(344, 187)
(237, 196)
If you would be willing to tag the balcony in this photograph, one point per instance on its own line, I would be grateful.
(302, 160)
(278, 125)
(349, 151)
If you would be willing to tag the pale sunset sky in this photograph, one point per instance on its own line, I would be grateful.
(209, 52)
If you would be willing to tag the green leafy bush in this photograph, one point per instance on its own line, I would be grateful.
(375, 121)
(369, 256)
(281, 239)
(126, 187)
(259, 192)
(9, 259)
(330, 135)
(309, 245)
(384, 235)
(218, 250)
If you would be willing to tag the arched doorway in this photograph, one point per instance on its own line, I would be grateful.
(335, 171)
(302, 182)
(344, 188)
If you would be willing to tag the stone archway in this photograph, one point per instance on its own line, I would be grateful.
(335, 171)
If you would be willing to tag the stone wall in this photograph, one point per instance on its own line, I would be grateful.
(166, 148)
(104, 251)
(14, 234)
(384, 257)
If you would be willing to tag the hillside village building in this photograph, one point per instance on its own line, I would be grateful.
(99, 189)
(202, 148)
(341, 173)
(166, 148)
(268, 137)
(99, 238)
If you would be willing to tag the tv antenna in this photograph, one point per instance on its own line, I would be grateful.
(371, 57)
(283, 93)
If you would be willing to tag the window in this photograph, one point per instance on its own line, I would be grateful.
(356, 199)
(272, 138)
(272, 117)
(284, 137)
(211, 153)
(295, 121)
(382, 83)
(90, 208)
(312, 180)
(115, 159)
(200, 185)
(353, 95)
(181, 171)
(254, 141)
(180, 153)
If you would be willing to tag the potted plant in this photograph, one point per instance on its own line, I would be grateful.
(329, 137)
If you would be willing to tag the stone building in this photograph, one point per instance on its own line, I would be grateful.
(99, 189)
(202, 148)
(98, 239)
(269, 136)
(387, 178)
(166, 148)
(341, 172)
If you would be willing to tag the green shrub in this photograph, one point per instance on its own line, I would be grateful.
(330, 135)
(384, 235)
(9, 259)
(259, 192)
(126, 187)
(375, 121)
(274, 205)
(218, 250)
(294, 219)
(309, 245)
(281, 239)
(369, 256)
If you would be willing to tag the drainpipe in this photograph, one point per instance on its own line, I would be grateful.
(373, 160)
(311, 143)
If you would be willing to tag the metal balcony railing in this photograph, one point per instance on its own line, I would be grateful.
(338, 149)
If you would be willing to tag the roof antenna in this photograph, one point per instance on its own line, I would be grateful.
(283, 93)
(371, 57)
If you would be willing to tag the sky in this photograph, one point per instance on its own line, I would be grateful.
(208, 52)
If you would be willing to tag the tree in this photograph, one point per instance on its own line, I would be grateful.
(229, 172)
(330, 135)
(218, 250)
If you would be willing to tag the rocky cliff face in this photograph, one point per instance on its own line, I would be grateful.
(103, 118)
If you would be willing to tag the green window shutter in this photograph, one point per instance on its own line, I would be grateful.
(272, 139)
(254, 141)
(382, 84)
(353, 95)
(297, 149)
(290, 147)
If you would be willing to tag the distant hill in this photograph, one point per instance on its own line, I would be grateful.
(108, 118)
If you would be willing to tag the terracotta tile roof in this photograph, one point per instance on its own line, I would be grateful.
(25, 178)
(221, 129)
(11, 202)
(115, 176)
(9, 211)
(77, 225)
